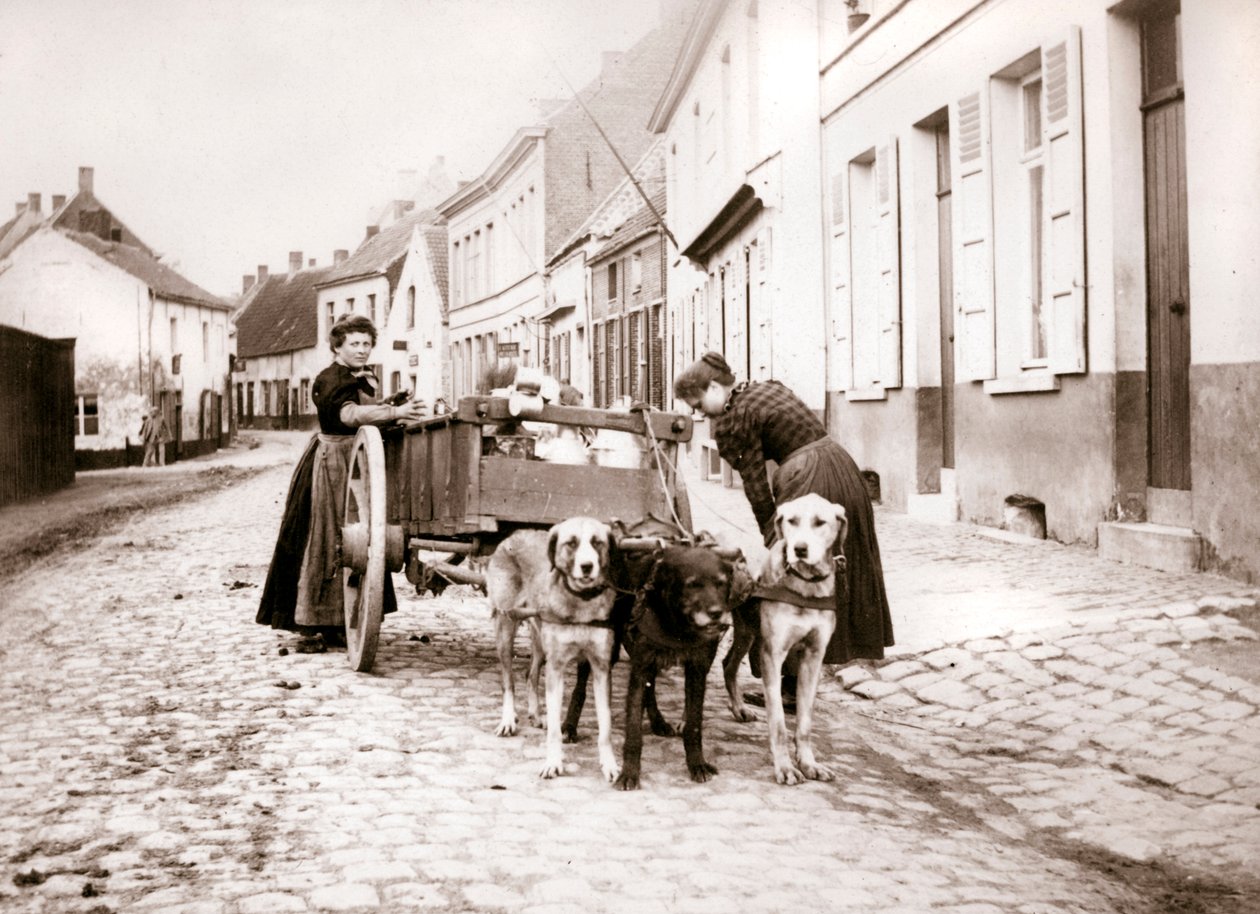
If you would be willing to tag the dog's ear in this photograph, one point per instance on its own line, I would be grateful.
(553, 539)
(741, 581)
(778, 523)
(842, 533)
(614, 551)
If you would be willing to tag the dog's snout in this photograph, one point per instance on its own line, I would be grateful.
(801, 550)
(586, 568)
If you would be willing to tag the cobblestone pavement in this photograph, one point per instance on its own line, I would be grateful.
(159, 753)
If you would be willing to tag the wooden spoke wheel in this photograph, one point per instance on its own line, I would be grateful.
(369, 547)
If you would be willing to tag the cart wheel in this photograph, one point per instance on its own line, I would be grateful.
(363, 547)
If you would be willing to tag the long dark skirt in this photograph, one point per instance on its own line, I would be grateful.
(863, 622)
(321, 599)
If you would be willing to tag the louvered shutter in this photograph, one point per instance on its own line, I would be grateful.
(1065, 203)
(841, 284)
(888, 254)
(973, 238)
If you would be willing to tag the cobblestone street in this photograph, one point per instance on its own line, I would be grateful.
(1047, 737)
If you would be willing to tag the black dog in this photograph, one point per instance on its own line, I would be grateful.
(679, 618)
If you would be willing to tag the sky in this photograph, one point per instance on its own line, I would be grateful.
(227, 133)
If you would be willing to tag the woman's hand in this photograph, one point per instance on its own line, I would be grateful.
(411, 411)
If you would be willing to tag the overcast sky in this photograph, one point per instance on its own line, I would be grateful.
(227, 133)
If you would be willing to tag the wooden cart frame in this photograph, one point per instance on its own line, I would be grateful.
(448, 485)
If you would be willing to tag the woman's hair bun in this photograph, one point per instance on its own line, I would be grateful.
(715, 361)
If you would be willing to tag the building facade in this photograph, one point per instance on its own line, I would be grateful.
(1032, 263)
(145, 336)
(508, 224)
(739, 119)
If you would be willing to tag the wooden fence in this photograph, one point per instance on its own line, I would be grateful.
(37, 414)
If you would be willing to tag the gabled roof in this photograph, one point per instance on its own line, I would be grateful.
(84, 213)
(383, 253)
(640, 223)
(435, 241)
(281, 314)
(164, 281)
(18, 229)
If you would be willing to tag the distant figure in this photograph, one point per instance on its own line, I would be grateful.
(155, 435)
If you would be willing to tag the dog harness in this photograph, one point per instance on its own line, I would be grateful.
(783, 594)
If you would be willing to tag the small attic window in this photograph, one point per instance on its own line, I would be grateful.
(115, 234)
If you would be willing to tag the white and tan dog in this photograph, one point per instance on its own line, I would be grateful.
(558, 580)
(796, 604)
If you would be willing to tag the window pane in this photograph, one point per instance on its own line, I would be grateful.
(1037, 348)
(1032, 115)
(1159, 48)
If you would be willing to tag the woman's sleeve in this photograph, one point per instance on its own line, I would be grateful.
(740, 446)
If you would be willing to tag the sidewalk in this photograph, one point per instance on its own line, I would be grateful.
(950, 583)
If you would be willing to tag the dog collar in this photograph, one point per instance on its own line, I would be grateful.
(590, 593)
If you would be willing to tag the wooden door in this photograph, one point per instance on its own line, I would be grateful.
(1167, 265)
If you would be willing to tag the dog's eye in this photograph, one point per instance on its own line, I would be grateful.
(571, 543)
(819, 522)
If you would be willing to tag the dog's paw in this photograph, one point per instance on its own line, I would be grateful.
(702, 772)
(551, 770)
(506, 728)
(662, 727)
(627, 781)
(788, 775)
(744, 715)
(570, 735)
(612, 773)
(817, 772)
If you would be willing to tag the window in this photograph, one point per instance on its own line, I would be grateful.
(636, 272)
(87, 415)
(488, 240)
(1031, 161)
(411, 307)
(205, 341)
(612, 281)
(174, 336)
(331, 314)
(865, 287)
(304, 402)
(395, 382)
(349, 306)
(1019, 240)
(457, 276)
(372, 308)
(266, 398)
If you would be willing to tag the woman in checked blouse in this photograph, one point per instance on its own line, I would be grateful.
(756, 421)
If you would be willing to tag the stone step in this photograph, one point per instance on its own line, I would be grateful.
(1160, 546)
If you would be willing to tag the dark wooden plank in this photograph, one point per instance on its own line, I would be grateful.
(665, 426)
(534, 491)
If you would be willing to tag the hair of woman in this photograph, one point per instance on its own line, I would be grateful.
(348, 324)
(697, 376)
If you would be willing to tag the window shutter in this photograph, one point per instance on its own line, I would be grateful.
(841, 285)
(888, 252)
(973, 237)
(1065, 203)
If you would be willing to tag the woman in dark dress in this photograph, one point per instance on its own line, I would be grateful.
(757, 421)
(303, 591)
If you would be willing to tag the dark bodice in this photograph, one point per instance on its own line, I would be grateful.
(334, 387)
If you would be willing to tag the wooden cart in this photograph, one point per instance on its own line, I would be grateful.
(457, 484)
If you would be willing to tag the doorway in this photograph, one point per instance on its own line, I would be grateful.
(1167, 249)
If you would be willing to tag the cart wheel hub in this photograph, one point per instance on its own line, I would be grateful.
(354, 547)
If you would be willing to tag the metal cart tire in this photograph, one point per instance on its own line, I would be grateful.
(363, 547)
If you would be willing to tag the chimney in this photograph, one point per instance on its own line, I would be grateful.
(311, 262)
(340, 255)
(58, 201)
(33, 202)
(295, 261)
(85, 179)
(372, 230)
(247, 282)
(262, 273)
(21, 207)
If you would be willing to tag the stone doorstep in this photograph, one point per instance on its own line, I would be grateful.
(1175, 549)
